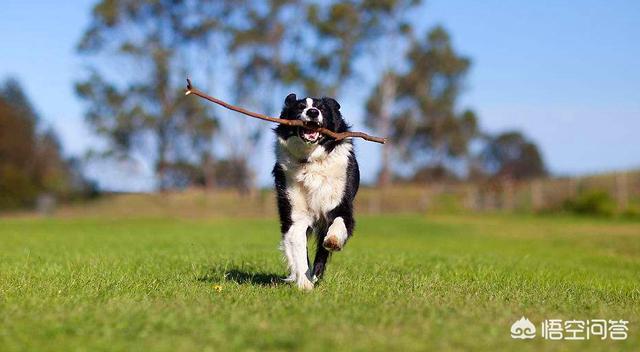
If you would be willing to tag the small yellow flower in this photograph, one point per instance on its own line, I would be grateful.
(217, 288)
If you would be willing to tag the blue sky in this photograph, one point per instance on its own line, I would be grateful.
(567, 73)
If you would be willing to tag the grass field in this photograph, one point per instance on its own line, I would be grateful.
(403, 283)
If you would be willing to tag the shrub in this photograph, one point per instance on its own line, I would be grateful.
(591, 203)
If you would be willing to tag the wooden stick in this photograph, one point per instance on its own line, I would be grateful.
(337, 136)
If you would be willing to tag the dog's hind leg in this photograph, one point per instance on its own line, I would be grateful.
(322, 256)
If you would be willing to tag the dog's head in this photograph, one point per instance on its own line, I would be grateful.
(323, 112)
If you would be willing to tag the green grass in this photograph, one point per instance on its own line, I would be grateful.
(402, 283)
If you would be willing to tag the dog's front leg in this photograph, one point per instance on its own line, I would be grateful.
(295, 248)
(287, 249)
(338, 233)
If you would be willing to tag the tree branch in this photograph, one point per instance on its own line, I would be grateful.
(338, 136)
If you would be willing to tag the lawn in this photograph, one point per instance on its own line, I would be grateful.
(403, 283)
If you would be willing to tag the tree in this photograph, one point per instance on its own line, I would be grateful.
(431, 89)
(267, 47)
(262, 60)
(339, 32)
(344, 32)
(280, 45)
(17, 148)
(389, 52)
(31, 162)
(137, 105)
(422, 114)
(511, 155)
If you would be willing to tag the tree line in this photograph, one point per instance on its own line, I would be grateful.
(31, 160)
(253, 53)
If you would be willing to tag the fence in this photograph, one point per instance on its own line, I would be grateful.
(538, 195)
(623, 189)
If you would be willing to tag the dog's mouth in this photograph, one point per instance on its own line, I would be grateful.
(309, 135)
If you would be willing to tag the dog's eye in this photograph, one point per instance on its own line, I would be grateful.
(302, 105)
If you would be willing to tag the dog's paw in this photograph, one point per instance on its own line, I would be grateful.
(290, 278)
(336, 235)
(304, 284)
(332, 243)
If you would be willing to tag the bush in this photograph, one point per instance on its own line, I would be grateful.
(632, 211)
(597, 203)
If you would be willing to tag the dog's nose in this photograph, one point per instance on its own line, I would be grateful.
(313, 113)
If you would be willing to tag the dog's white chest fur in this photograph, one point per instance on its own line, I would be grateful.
(314, 186)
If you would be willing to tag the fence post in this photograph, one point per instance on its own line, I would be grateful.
(537, 198)
(508, 197)
(425, 199)
(622, 190)
(471, 200)
(375, 200)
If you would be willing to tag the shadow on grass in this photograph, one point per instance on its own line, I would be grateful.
(242, 277)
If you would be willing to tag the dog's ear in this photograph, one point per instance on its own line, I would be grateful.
(331, 103)
(335, 122)
(290, 100)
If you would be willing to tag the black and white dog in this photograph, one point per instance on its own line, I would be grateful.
(316, 180)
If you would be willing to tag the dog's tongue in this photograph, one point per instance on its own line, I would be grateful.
(310, 134)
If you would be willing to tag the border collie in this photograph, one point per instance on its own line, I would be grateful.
(316, 180)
